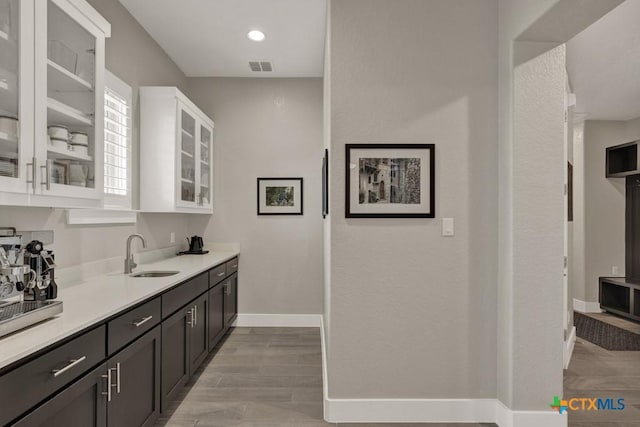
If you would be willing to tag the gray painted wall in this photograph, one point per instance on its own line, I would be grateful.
(413, 314)
(133, 56)
(267, 128)
(538, 229)
(577, 245)
(547, 23)
(604, 204)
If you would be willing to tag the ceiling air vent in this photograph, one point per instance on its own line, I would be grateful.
(260, 66)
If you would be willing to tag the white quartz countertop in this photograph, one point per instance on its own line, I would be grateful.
(99, 298)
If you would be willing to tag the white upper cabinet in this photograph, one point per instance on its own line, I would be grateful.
(176, 167)
(59, 88)
(16, 87)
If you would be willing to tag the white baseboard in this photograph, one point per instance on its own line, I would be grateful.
(586, 306)
(248, 320)
(506, 417)
(569, 346)
(429, 410)
(410, 410)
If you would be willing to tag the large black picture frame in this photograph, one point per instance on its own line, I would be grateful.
(396, 163)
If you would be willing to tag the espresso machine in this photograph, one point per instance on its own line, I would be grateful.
(43, 285)
(27, 286)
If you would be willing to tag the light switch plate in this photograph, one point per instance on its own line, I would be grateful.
(448, 227)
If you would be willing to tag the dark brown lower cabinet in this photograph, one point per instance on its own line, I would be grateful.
(175, 355)
(135, 393)
(198, 339)
(184, 346)
(83, 404)
(130, 387)
(231, 299)
(216, 314)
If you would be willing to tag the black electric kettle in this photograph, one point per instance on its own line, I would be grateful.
(195, 244)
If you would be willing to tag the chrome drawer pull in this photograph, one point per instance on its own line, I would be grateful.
(142, 321)
(220, 274)
(72, 363)
(235, 266)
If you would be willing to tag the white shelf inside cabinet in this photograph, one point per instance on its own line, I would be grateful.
(62, 114)
(61, 153)
(63, 80)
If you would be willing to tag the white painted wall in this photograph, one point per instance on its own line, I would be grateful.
(137, 59)
(413, 314)
(266, 128)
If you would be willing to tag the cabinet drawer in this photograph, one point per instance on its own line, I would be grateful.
(129, 326)
(217, 275)
(32, 382)
(183, 294)
(232, 266)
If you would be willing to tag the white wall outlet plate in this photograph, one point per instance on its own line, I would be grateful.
(448, 227)
(615, 270)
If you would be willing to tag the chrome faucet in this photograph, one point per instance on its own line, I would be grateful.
(129, 263)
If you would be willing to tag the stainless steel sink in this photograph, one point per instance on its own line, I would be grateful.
(154, 273)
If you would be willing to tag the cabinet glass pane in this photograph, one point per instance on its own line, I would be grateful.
(205, 145)
(9, 72)
(71, 100)
(188, 157)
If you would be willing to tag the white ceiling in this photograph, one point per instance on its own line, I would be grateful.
(603, 63)
(209, 37)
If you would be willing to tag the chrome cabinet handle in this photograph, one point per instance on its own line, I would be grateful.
(227, 289)
(108, 392)
(73, 362)
(235, 266)
(32, 181)
(195, 309)
(118, 377)
(47, 171)
(142, 321)
(190, 322)
(220, 274)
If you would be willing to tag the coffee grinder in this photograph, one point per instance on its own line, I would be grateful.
(42, 262)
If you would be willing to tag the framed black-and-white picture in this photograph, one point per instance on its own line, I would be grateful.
(279, 196)
(325, 184)
(390, 181)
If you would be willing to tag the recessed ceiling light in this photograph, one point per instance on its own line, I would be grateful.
(256, 36)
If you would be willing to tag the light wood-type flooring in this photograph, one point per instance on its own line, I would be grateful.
(269, 377)
(596, 372)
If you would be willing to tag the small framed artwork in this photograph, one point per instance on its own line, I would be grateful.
(280, 196)
(60, 172)
(325, 184)
(390, 181)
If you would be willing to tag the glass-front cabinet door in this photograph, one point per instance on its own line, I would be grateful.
(70, 107)
(187, 159)
(205, 194)
(16, 95)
